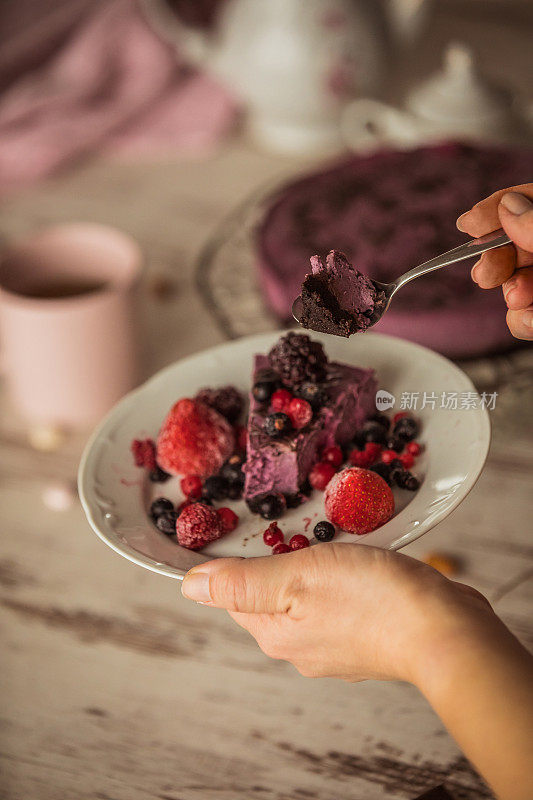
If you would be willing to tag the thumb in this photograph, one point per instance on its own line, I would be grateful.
(246, 585)
(516, 216)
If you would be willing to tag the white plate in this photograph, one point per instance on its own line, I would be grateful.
(115, 495)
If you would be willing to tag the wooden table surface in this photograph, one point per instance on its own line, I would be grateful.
(116, 688)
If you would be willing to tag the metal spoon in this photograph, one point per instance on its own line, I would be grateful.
(467, 250)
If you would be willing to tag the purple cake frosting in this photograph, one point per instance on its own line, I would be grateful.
(388, 212)
(337, 298)
(282, 465)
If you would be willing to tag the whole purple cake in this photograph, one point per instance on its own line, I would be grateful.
(389, 212)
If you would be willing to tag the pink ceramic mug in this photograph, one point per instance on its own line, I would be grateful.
(67, 327)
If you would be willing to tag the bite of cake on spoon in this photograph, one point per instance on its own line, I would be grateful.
(338, 299)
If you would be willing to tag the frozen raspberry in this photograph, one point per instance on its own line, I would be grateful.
(227, 400)
(197, 525)
(279, 548)
(358, 500)
(297, 358)
(228, 519)
(413, 448)
(321, 474)
(300, 413)
(194, 440)
(407, 460)
(333, 455)
(191, 486)
(360, 458)
(298, 542)
(389, 455)
(143, 451)
(273, 535)
(280, 400)
(373, 451)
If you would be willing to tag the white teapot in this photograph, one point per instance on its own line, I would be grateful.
(295, 63)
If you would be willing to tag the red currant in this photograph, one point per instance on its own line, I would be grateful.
(228, 519)
(280, 547)
(373, 451)
(389, 455)
(413, 448)
(280, 400)
(273, 535)
(298, 542)
(334, 455)
(400, 415)
(191, 486)
(360, 458)
(321, 474)
(407, 460)
(300, 412)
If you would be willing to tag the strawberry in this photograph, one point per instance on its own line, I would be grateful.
(194, 440)
(358, 500)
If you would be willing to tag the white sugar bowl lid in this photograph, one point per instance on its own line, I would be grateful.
(458, 98)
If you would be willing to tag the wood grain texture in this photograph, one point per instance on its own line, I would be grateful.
(113, 686)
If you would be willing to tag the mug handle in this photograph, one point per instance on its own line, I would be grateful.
(366, 123)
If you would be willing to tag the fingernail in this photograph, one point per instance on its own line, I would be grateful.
(516, 203)
(527, 318)
(460, 223)
(509, 286)
(195, 586)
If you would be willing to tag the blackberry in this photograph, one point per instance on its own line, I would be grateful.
(313, 393)
(384, 471)
(215, 488)
(272, 506)
(373, 432)
(276, 425)
(298, 359)
(324, 531)
(235, 491)
(406, 428)
(159, 506)
(166, 522)
(158, 475)
(406, 480)
(227, 400)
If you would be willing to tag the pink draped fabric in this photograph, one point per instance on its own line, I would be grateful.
(111, 85)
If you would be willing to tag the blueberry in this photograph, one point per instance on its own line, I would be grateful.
(158, 475)
(215, 488)
(313, 393)
(263, 390)
(358, 442)
(166, 522)
(324, 531)
(374, 432)
(381, 419)
(159, 506)
(235, 491)
(406, 480)
(271, 506)
(232, 470)
(295, 500)
(383, 470)
(406, 428)
(395, 443)
(276, 425)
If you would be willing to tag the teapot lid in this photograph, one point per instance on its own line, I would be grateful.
(459, 92)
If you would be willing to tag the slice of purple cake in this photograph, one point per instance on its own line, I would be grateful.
(344, 398)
